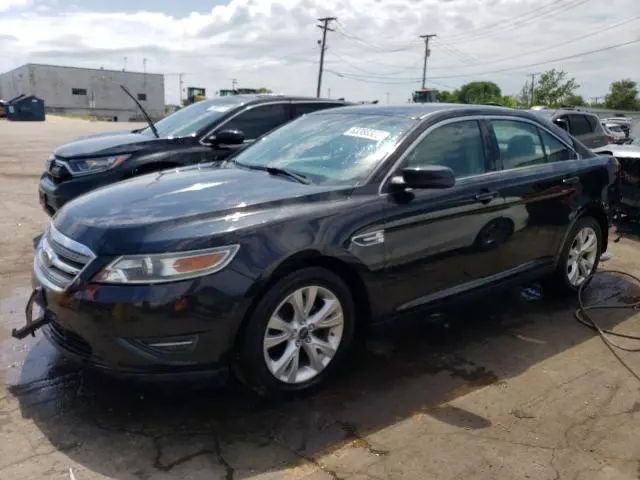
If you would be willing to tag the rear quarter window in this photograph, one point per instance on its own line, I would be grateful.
(579, 125)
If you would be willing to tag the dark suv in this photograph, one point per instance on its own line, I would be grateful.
(270, 262)
(193, 134)
(583, 125)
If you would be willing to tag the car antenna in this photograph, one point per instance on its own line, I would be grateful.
(146, 116)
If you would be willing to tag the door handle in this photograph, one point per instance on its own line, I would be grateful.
(570, 180)
(485, 196)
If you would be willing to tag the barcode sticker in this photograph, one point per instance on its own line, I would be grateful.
(368, 133)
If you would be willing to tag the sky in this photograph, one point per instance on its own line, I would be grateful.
(373, 53)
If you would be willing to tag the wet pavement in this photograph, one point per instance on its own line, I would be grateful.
(511, 388)
(517, 389)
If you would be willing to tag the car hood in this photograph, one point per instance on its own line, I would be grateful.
(183, 209)
(109, 144)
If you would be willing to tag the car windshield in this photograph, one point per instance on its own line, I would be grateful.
(329, 148)
(189, 120)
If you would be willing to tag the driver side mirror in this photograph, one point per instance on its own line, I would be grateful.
(562, 123)
(431, 177)
(226, 137)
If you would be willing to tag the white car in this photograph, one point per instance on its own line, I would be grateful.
(614, 131)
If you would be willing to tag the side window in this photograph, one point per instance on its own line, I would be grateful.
(556, 150)
(579, 125)
(258, 120)
(519, 142)
(456, 145)
(593, 122)
(302, 108)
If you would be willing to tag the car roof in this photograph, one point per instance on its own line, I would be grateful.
(418, 111)
(271, 97)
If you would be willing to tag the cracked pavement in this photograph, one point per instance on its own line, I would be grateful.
(507, 388)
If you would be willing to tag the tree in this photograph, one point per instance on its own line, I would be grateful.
(623, 95)
(574, 100)
(264, 90)
(509, 101)
(480, 92)
(554, 88)
(448, 97)
(523, 99)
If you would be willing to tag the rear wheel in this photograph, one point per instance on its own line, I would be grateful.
(298, 333)
(579, 257)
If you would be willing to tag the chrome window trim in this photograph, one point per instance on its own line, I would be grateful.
(449, 121)
(251, 107)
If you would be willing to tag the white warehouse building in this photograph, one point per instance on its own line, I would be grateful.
(87, 91)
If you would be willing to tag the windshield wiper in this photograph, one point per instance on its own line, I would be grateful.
(149, 122)
(298, 177)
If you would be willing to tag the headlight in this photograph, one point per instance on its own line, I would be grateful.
(166, 267)
(95, 165)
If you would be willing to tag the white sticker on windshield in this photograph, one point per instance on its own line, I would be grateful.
(217, 108)
(368, 133)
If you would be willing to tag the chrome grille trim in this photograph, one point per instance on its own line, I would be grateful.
(59, 260)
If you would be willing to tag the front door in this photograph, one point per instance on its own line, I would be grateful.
(440, 242)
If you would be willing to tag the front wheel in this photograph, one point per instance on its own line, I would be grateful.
(579, 257)
(297, 334)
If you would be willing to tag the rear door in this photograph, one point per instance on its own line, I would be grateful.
(540, 179)
(440, 242)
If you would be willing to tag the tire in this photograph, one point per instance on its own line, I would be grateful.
(256, 364)
(561, 281)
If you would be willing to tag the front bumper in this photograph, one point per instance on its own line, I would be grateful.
(54, 195)
(177, 330)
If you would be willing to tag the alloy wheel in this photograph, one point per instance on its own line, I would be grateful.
(583, 255)
(303, 334)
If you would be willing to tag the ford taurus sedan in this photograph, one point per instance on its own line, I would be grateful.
(266, 265)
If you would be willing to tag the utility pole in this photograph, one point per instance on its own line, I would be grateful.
(323, 46)
(234, 82)
(387, 98)
(533, 87)
(426, 39)
(181, 86)
(328, 93)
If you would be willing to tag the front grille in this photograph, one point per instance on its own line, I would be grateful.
(59, 260)
(70, 340)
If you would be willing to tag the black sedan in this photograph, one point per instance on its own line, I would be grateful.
(270, 262)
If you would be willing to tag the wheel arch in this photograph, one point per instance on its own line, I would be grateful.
(313, 258)
(596, 212)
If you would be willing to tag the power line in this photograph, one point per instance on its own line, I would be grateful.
(349, 36)
(323, 46)
(559, 45)
(500, 27)
(506, 69)
(387, 74)
(426, 39)
(568, 57)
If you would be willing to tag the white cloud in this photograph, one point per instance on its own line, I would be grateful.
(273, 43)
(5, 5)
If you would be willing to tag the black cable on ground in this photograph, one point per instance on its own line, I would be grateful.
(583, 317)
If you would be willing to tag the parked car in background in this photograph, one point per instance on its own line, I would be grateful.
(201, 132)
(270, 262)
(583, 125)
(614, 132)
(623, 122)
(629, 157)
(3, 109)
